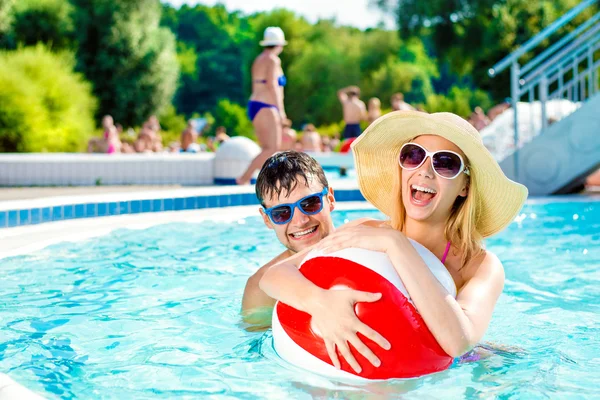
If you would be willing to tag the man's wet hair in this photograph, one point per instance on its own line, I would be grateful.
(283, 171)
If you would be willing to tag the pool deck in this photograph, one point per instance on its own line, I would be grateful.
(26, 193)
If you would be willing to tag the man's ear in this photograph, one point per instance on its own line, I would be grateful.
(331, 198)
(265, 218)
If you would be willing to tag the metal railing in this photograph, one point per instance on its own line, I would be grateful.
(569, 69)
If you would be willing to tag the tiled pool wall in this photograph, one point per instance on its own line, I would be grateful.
(56, 169)
(17, 216)
(103, 169)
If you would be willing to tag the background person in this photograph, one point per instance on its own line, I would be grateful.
(265, 108)
(288, 136)
(354, 110)
(373, 109)
(398, 104)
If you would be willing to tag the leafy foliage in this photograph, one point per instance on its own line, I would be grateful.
(233, 117)
(47, 21)
(130, 60)
(44, 105)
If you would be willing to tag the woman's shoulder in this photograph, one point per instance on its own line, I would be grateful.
(485, 265)
(367, 222)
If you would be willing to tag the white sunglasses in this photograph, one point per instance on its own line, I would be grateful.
(446, 164)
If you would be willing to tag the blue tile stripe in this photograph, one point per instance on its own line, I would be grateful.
(34, 216)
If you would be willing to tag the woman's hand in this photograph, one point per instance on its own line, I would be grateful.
(365, 237)
(333, 317)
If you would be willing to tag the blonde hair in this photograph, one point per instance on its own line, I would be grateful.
(461, 226)
(374, 102)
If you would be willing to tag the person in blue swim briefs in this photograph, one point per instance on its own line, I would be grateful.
(265, 107)
(354, 109)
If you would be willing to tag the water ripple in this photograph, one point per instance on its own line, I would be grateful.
(153, 313)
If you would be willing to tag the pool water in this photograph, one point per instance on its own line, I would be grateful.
(337, 174)
(154, 314)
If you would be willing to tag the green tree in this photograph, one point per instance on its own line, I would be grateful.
(459, 100)
(6, 15)
(396, 76)
(318, 73)
(44, 105)
(130, 60)
(234, 118)
(47, 21)
(216, 39)
(472, 35)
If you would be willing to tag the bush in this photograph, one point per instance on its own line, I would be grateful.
(47, 21)
(332, 129)
(234, 118)
(460, 101)
(44, 105)
(396, 76)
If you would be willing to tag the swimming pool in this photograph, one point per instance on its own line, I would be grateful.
(153, 313)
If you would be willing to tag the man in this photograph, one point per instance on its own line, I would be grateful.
(311, 139)
(398, 104)
(286, 178)
(355, 111)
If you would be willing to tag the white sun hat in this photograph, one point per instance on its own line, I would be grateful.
(273, 36)
(376, 153)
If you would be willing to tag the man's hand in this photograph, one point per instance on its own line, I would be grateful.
(334, 318)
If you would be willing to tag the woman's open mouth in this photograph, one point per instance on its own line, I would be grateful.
(421, 195)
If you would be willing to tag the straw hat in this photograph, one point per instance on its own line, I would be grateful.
(376, 154)
(273, 36)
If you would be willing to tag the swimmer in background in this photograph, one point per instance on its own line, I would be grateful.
(398, 104)
(354, 110)
(265, 108)
(311, 140)
(373, 109)
(288, 136)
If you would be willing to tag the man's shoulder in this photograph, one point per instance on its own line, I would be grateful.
(285, 254)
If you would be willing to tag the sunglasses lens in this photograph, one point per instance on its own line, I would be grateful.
(312, 204)
(282, 214)
(446, 164)
(411, 156)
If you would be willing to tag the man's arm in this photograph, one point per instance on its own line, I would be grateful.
(342, 95)
(255, 302)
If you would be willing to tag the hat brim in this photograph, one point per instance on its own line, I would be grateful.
(376, 153)
(264, 43)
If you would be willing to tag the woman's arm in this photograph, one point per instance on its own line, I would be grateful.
(273, 70)
(457, 324)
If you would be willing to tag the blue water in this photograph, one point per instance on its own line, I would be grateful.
(154, 314)
(335, 174)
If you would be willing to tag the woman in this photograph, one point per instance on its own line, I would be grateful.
(432, 176)
(265, 108)
(373, 109)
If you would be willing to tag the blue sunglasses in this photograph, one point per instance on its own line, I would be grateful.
(309, 205)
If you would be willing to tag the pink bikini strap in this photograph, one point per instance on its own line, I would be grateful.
(446, 253)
